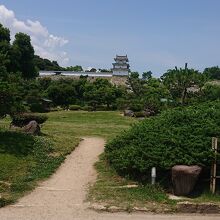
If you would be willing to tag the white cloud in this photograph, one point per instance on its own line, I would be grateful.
(45, 44)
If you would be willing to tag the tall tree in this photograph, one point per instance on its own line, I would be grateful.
(212, 72)
(45, 64)
(178, 81)
(101, 92)
(135, 84)
(22, 56)
(62, 92)
(4, 46)
(10, 94)
(147, 75)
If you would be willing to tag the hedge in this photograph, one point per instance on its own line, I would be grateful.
(21, 120)
(177, 136)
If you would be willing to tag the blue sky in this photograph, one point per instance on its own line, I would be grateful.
(155, 34)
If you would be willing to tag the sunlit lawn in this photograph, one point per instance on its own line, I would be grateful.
(25, 159)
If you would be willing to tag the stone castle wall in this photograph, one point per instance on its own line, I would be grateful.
(115, 80)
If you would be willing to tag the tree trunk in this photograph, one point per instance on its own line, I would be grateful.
(183, 98)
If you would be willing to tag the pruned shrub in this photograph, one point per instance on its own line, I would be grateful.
(140, 114)
(75, 107)
(21, 120)
(87, 108)
(177, 136)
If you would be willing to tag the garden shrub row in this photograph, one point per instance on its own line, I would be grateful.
(177, 136)
(21, 120)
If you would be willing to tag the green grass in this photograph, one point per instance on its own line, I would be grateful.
(80, 123)
(207, 196)
(108, 190)
(69, 126)
(25, 159)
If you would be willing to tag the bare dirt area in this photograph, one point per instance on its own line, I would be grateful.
(62, 196)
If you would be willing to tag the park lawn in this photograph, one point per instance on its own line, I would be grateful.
(69, 126)
(112, 190)
(26, 159)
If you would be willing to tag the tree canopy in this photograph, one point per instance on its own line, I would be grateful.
(212, 72)
(22, 53)
(178, 81)
(76, 68)
(45, 64)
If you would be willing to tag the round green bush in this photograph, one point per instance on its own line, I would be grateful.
(177, 136)
(87, 108)
(75, 107)
(139, 114)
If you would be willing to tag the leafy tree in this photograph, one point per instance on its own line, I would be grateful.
(93, 70)
(135, 84)
(212, 72)
(44, 83)
(178, 81)
(111, 93)
(104, 70)
(154, 91)
(147, 75)
(79, 86)
(22, 56)
(92, 95)
(101, 92)
(4, 60)
(33, 95)
(10, 98)
(4, 46)
(76, 68)
(211, 92)
(45, 64)
(145, 94)
(62, 93)
(4, 33)
(6, 98)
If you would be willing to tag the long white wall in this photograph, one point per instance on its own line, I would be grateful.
(70, 73)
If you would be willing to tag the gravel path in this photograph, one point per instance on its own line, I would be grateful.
(62, 196)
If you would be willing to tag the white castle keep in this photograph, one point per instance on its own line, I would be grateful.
(121, 66)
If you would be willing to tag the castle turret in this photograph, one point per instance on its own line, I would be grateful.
(121, 66)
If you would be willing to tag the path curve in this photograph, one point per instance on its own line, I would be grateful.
(61, 197)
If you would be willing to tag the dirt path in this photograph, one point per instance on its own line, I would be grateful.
(62, 196)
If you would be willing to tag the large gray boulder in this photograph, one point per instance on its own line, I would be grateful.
(32, 128)
(128, 113)
(184, 178)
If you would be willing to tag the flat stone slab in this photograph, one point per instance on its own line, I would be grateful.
(206, 208)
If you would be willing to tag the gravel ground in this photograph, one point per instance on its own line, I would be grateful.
(62, 196)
